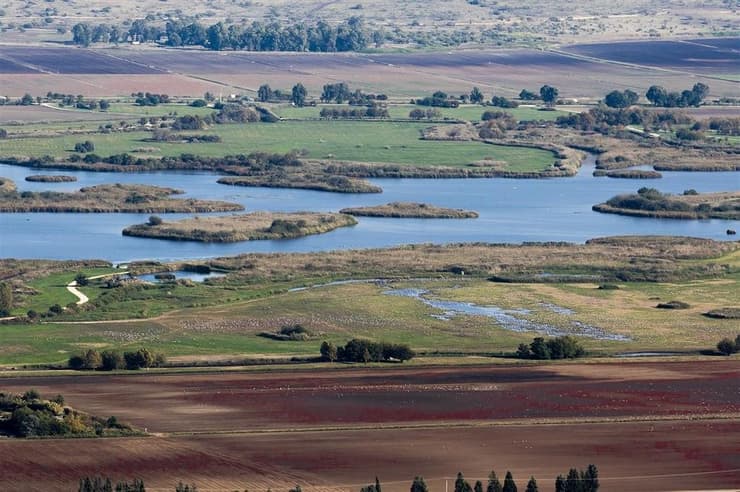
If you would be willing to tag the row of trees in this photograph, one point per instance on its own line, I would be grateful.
(110, 360)
(357, 350)
(576, 481)
(659, 96)
(374, 111)
(350, 35)
(565, 347)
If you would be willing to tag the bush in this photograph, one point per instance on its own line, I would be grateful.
(154, 220)
(199, 103)
(84, 147)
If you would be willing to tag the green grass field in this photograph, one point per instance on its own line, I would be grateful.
(53, 290)
(348, 140)
(224, 321)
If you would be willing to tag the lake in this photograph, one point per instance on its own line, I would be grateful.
(511, 211)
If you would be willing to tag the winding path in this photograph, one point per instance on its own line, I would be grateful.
(82, 298)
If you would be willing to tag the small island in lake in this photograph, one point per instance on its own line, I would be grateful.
(50, 178)
(628, 174)
(410, 210)
(318, 182)
(649, 202)
(108, 198)
(242, 227)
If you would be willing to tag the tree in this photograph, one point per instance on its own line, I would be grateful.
(81, 34)
(462, 485)
(526, 95)
(81, 279)
(509, 485)
(264, 93)
(27, 99)
(549, 94)
(140, 359)
(328, 351)
(657, 95)
(377, 485)
(701, 91)
(726, 346)
(494, 484)
(523, 351)
(590, 479)
(539, 349)
(298, 94)
(103, 104)
(418, 485)
(92, 360)
(6, 299)
(478, 486)
(154, 220)
(532, 485)
(476, 96)
(111, 360)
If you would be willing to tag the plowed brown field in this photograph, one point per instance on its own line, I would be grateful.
(336, 429)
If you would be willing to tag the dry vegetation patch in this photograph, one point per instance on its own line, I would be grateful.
(410, 210)
(125, 198)
(246, 227)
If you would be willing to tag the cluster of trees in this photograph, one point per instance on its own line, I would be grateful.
(495, 124)
(32, 416)
(350, 35)
(110, 360)
(723, 126)
(565, 347)
(257, 161)
(494, 484)
(149, 99)
(429, 114)
(601, 119)
(101, 484)
(659, 96)
(503, 102)
(649, 199)
(357, 350)
(84, 147)
(439, 99)
(727, 346)
(621, 99)
(373, 111)
(340, 93)
(579, 480)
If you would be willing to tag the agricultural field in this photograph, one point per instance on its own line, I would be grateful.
(265, 429)
(388, 142)
(503, 72)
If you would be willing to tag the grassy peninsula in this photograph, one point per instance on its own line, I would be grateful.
(108, 198)
(410, 210)
(243, 227)
(649, 202)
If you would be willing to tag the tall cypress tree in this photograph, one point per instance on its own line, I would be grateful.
(494, 485)
(509, 485)
(532, 485)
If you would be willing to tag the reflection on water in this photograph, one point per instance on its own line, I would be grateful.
(506, 318)
(180, 275)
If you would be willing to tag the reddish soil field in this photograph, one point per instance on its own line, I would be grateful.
(630, 457)
(308, 399)
(334, 430)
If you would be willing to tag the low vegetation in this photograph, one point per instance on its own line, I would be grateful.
(246, 227)
(410, 210)
(124, 198)
(51, 178)
(628, 174)
(30, 416)
(290, 333)
(724, 313)
(727, 346)
(306, 181)
(649, 202)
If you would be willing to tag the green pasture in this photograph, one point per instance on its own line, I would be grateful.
(342, 140)
(213, 320)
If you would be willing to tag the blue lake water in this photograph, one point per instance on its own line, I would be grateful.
(511, 211)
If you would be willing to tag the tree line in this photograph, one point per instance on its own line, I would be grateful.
(110, 360)
(565, 347)
(575, 481)
(350, 35)
(358, 350)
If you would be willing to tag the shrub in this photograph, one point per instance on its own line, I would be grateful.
(154, 220)
(84, 147)
(199, 103)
